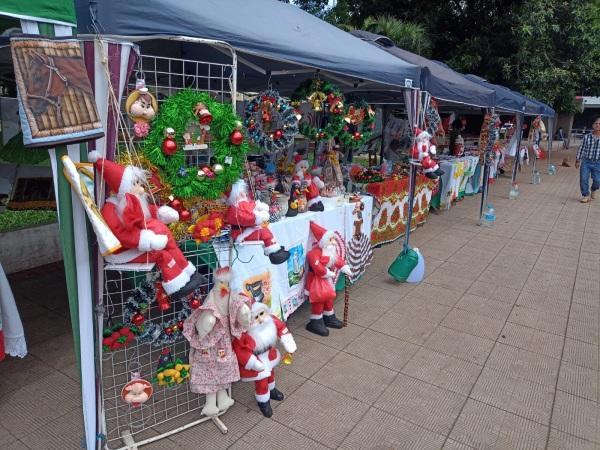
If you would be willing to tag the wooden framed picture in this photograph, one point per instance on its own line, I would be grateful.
(56, 101)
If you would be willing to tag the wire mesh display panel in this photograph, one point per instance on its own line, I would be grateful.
(124, 424)
(122, 288)
(166, 76)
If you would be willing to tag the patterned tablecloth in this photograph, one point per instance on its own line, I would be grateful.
(390, 210)
(460, 177)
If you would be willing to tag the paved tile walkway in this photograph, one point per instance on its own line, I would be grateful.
(497, 348)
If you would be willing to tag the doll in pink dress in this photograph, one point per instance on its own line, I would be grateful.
(210, 330)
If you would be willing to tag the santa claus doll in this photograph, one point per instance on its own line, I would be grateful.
(325, 264)
(141, 228)
(249, 221)
(258, 355)
(422, 151)
(313, 185)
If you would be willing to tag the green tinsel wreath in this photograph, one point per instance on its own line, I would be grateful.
(177, 112)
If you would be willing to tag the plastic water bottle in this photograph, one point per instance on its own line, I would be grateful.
(514, 192)
(489, 216)
(536, 177)
(551, 169)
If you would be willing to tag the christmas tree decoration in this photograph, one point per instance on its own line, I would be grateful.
(359, 252)
(185, 215)
(257, 354)
(358, 125)
(117, 337)
(249, 222)
(326, 261)
(162, 299)
(141, 107)
(207, 227)
(142, 300)
(137, 391)
(236, 137)
(422, 152)
(271, 121)
(171, 372)
(177, 112)
(143, 228)
(218, 169)
(169, 146)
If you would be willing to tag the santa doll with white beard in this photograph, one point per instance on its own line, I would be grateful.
(313, 184)
(324, 262)
(141, 228)
(249, 221)
(258, 355)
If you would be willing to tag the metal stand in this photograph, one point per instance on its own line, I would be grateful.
(484, 190)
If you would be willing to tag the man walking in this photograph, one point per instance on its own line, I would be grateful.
(588, 161)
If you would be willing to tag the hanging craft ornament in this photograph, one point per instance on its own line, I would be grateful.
(169, 146)
(171, 372)
(137, 391)
(177, 112)
(141, 107)
(271, 121)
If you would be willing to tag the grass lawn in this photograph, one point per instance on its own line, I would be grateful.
(16, 220)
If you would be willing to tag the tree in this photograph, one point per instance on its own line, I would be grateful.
(408, 36)
(558, 55)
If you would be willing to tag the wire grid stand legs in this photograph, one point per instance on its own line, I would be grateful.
(170, 409)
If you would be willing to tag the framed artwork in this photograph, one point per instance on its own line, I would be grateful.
(56, 101)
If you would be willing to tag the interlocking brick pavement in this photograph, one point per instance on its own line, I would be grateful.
(497, 348)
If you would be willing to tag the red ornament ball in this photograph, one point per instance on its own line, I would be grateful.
(176, 204)
(169, 146)
(236, 137)
(194, 303)
(137, 319)
(185, 215)
(180, 324)
(357, 136)
(278, 134)
(169, 330)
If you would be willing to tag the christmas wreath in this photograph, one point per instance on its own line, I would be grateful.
(259, 121)
(148, 332)
(324, 97)
(227, 145)
(359, 122)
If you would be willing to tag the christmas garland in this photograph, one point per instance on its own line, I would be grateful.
(272, 140)
(177, 112)
(148, 332)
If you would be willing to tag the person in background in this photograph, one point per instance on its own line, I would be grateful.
(588, 163)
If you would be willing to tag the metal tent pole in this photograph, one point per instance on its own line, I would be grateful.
(412, 181)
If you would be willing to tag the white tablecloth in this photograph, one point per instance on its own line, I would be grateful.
(282, 286)
(10, 321)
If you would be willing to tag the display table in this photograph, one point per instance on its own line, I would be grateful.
(12, 337)
(391, 210)
(282, 286)
(459, 179)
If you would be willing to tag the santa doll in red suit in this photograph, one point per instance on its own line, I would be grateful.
(422, 151)
(257, 354)
(313, 184)
(324, 264)
(141, 228)
(249, 221)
